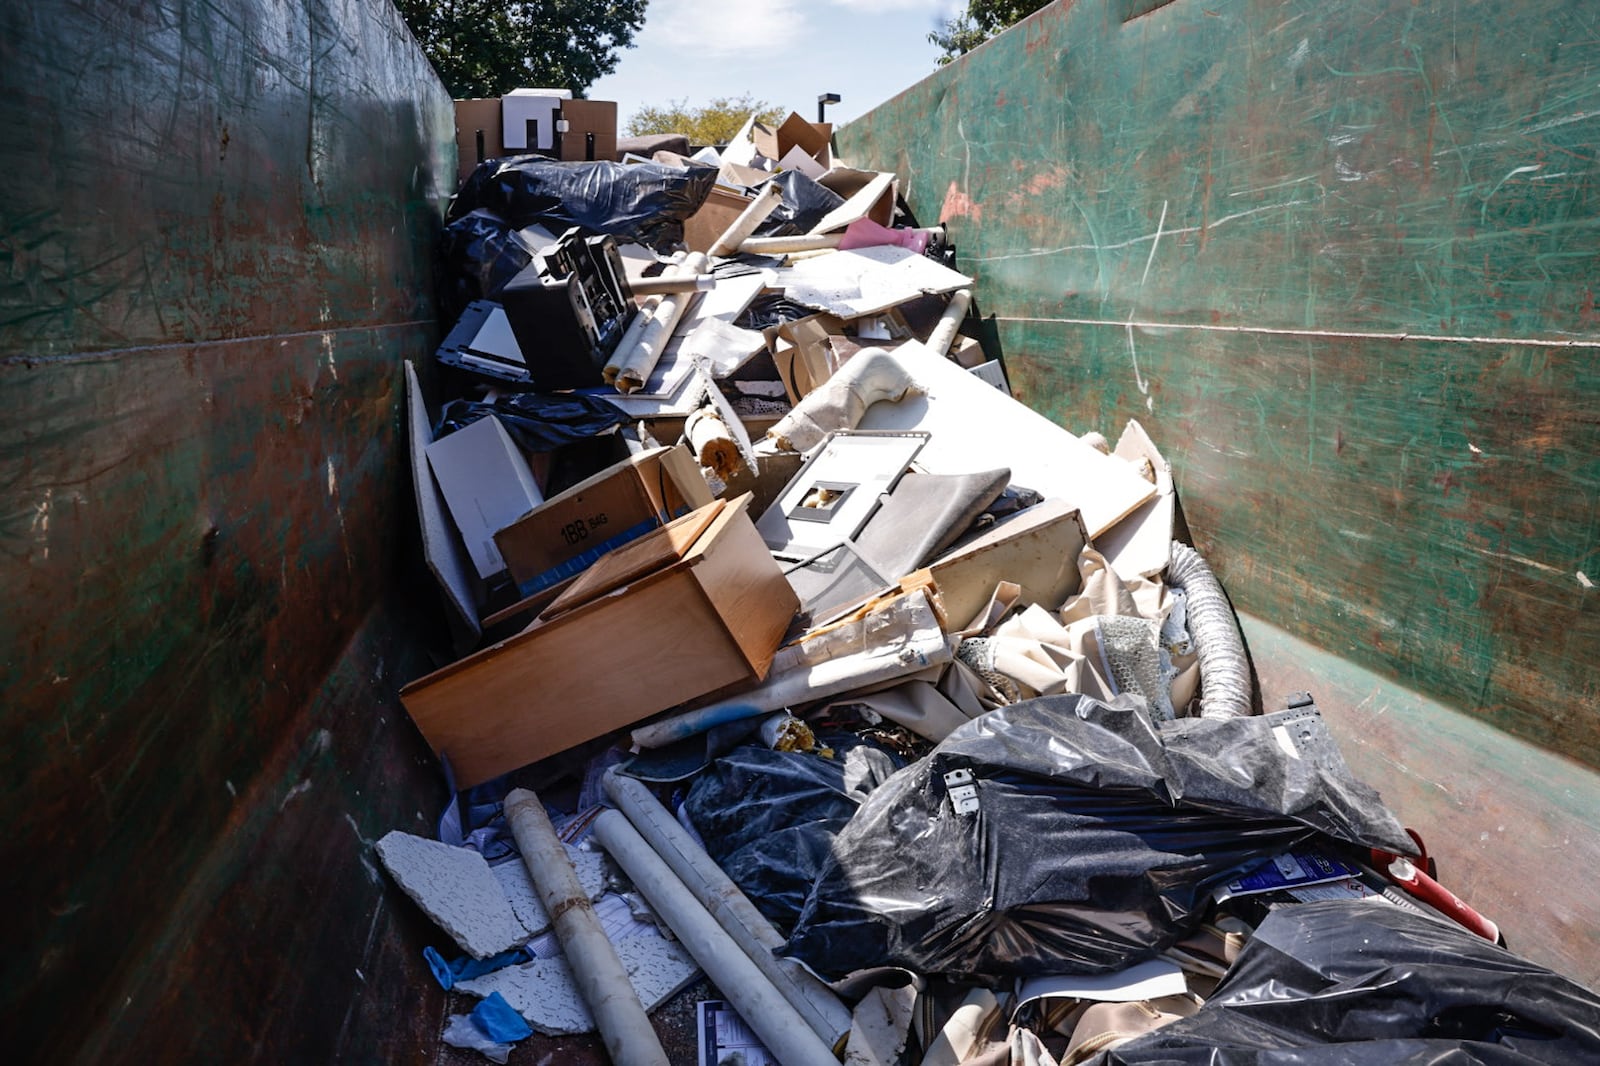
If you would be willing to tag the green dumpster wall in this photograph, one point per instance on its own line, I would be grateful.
(1340, 258)
(216, 225)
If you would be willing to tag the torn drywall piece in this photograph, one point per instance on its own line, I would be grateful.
(880, 1027)
(865, 281)
(1140, 544)
(543, 992)
(524, 898)
(455, 887)
(860, 203)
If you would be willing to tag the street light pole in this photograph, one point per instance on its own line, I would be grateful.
(822, 102)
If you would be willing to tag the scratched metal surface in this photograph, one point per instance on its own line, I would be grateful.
(215, 225)
(1511, 825)
(1340, 257)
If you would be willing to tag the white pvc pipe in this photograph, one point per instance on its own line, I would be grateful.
(955, 312)
(814, 1001)
(787, 1037)
(764, 204)
(602, 980)
(802, 685)
(822, 242)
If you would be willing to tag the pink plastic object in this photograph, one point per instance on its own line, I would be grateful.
(865, 233)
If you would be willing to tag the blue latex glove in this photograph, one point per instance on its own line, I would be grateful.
(499, 1021)
(447, 973)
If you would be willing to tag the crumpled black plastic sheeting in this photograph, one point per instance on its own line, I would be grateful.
(537, 421)
(1097, 840)
(769, 817)
(1350, 983)
(805, 203)
(772, 309)
(479, 255)
(644, 202)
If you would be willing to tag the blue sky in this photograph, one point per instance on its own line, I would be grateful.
(785, 52)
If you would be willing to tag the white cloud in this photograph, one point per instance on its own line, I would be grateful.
(712, 28)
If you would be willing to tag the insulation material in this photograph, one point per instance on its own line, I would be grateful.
(1110, 638)
(712, 442)
(454, 887)
(842, 401)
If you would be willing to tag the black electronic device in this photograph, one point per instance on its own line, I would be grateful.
(567, 310)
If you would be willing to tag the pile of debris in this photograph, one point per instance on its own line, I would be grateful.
(893, 706)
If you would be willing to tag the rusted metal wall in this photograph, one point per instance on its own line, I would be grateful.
(216, 224)
(1341, 258)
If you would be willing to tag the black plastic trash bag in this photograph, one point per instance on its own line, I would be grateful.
(479, 255)
(769, 817)
(537, 421)
(805, 203)
(645, 202)
(1352, 982)
(1094, 841)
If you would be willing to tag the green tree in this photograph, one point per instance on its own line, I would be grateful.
(489, 47)
(980, 21)
(715, 123)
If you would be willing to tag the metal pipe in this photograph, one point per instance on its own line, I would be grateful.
(781, 1029)
(814, 1001)
(602, 980)
(1225, 686)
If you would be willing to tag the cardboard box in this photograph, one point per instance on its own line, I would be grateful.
(812, 138)
(567, 533)
(701, 229)
(486, 483)
(472, 116)
(867, 194)
(711, 617)
(584, 117)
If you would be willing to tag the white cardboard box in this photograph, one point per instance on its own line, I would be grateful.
(519, 105)
(486, 484)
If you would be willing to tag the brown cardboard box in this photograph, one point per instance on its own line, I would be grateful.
(584, 117)
(568, 532)
(472, 116)
(812, 138)
(711, 617)
(701, 230)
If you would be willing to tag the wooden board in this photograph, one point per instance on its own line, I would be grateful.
(709, 620)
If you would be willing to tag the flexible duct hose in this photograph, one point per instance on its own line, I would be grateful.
(1224, 671)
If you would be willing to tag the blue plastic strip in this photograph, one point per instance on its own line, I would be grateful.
(581, 562)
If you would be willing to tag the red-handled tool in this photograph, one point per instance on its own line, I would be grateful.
(1403, 872)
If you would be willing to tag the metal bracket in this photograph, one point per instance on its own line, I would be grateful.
(963, 791)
